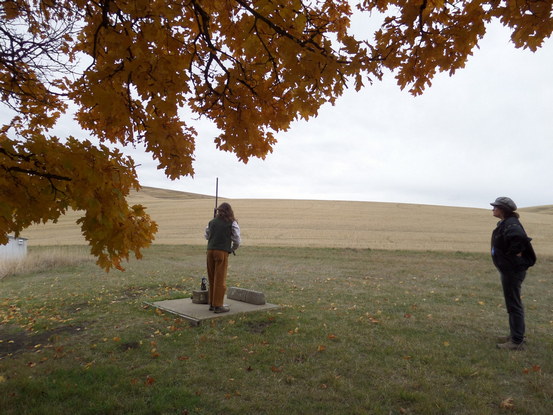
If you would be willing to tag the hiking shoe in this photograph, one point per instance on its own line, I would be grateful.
(221, 309)
(506, 339)
(511, 346)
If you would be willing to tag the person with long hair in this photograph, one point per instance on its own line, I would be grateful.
(508, 245)
(223, 237)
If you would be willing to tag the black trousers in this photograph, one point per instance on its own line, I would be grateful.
(512, 285)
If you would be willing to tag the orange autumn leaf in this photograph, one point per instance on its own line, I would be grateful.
(149, 380)
(276, 369)
(534, 368)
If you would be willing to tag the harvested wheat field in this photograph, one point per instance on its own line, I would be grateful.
(366, 225)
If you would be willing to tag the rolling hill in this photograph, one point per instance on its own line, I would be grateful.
(183, 216)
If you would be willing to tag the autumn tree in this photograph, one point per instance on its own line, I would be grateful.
(129, 71)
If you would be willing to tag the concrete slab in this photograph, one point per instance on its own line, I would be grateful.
(196, 313)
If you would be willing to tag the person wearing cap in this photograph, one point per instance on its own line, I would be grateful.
(509, 240)
(223, 237)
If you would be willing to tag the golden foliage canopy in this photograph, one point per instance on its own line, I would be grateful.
(129, 69)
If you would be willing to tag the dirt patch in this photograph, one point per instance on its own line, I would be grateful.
(129, 346)
(14, 341)
(258, 327)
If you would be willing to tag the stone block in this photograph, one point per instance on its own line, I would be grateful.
(200, 297)
(246, 296)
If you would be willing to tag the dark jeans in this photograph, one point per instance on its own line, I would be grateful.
(512, 284)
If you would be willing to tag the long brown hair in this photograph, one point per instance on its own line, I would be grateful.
(225, 212)
(508, 213)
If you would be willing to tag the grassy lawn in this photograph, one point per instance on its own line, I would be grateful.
(358, 332)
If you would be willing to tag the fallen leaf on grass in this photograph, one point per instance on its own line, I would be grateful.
(507, 404)
(372, 319)
(321, 348)
(150, 380)
(276, 369)
(535, 368)
(331, 337)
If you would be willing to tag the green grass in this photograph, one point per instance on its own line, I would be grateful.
(358, 332)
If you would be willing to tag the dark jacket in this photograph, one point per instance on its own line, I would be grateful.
(508, 241)
(219, 235)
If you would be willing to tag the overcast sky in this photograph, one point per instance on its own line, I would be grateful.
(485, 132)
